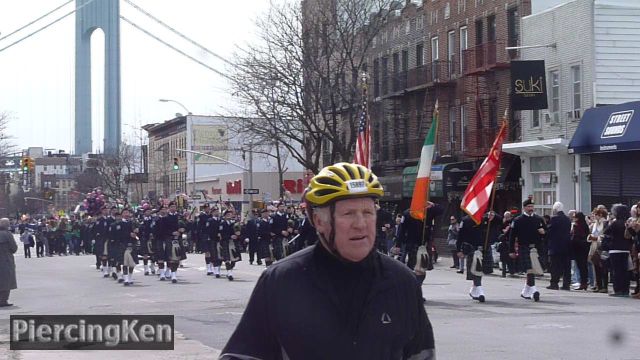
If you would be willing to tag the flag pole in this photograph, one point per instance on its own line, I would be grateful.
(435, 144)
(493, 194)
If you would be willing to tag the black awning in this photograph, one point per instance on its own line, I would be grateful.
(608, 129)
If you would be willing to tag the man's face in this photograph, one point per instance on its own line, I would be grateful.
(529, 209)
(215, 213)
(280, 208)
(172, 208)
(126, 214)
(265, 215)
(355, 228)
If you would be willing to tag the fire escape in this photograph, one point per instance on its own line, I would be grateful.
(480, 65)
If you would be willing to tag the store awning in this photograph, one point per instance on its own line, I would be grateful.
(536, 147)
(607, 129)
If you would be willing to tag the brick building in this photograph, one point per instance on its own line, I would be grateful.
(452, 51)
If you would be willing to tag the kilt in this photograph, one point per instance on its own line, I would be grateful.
(230, 250)
(524, 257)
(264, 251)
(487, 260)
(215, 249)
(146, 247)
(279, 247)
(130, 256)
(175, 250)
(101, 247)
(159, 251)
(116, 252)
(202, 242)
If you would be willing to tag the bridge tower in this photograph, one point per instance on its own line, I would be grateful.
(103, 14)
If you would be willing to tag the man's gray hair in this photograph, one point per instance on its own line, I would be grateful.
(4, 224)
(557, 207)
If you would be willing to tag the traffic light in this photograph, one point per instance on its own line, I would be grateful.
(175, 164)
(26, 164)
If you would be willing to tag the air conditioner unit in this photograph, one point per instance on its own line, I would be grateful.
(577, 114)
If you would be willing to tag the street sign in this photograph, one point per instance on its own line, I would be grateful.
(251, 191)
(196, 197)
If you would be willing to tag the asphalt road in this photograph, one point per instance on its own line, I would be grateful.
(563, 325)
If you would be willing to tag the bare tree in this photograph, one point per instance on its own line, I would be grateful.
(6, 144)
(109, 172)
(300, 82)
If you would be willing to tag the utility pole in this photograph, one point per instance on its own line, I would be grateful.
(250, 173)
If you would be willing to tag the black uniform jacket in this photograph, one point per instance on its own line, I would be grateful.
(295, 313)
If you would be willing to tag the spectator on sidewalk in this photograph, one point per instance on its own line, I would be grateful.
(580, 248)
(452, 239)
(558, 242)
(618, 242)
(8, 247)
(596, 257)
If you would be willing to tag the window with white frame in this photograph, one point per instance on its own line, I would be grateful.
(535, 119)
(451, 51)
(463, 45)
(447, 10)
(554, 83)
(435, 54)
(543, 172)
(576, 83)
(462, 6)
(463, 126)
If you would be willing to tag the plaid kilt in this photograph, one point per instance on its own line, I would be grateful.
(524, 258)
(230, 250)
(263, 248)
(279, 251)
(116, 252)
(487, 260)
(146, 247)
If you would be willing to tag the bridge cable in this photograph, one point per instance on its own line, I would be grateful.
(36, 20)
(46, 26)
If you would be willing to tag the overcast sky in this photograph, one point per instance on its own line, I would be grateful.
(37, 75)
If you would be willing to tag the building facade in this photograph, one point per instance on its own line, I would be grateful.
(452, 52)
(230, 164)
(590, 66)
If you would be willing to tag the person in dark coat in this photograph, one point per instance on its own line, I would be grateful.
(251, 238)
(306, 231)
(229, 242)
(411, 232)
(383, 225)
(527, 230)
(580, 248)
(338, 299)
(470, 244)
(263, 228)
(618, 241)
(559, 245)
(8, 247)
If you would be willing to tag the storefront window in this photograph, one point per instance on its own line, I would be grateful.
(542, 170)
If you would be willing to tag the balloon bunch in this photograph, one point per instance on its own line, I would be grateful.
(94, 202)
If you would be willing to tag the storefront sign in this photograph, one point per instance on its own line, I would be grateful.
(528, 85)
(617, 124)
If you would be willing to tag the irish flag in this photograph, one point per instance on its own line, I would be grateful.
(421, 190)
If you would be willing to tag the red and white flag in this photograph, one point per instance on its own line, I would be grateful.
(478, 194)
(363, 142)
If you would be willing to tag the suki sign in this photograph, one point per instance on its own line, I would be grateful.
(617, 124)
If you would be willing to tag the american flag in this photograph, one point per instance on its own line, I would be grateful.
(363, 143)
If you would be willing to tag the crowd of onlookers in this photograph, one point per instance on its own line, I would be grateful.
(600, 249)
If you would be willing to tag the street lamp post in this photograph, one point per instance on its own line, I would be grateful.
(177, 102)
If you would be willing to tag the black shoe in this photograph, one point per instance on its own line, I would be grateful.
(566, 288)
(452, 267)
(173, 281)
(120, 281)
(209, 273)
(552, 287)
(146, 273)
(259, 263)
(114, 276)
(481, 298)
(105, 276)
(525, 297)
(126, 284)
(181, 265)
(230, 277)
(217, 276)
(6, 304)
(460, 271)
(250, 262)
(536, 296)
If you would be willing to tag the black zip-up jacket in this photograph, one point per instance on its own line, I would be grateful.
(298, 311)
(524, 229)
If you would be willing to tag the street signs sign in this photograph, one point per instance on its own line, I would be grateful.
(251, 191)
(196, 196)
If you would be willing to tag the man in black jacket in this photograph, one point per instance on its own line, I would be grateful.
(558, 242)
(470, 242)
(414, 232)
(338, 299)
(527, 230)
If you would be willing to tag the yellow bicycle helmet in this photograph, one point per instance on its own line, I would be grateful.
(342, 181)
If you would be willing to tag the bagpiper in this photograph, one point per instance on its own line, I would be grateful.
(145, 234)
(528, 229)
(212, 230)
(279, 232)
(100, 231)
(115, 246)
(263, 229)
(230, 232)
(126, 234)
